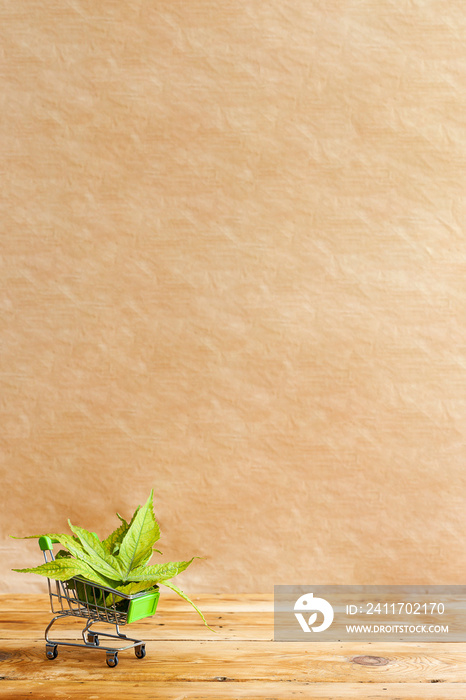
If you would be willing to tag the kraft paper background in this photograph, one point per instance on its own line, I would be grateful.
(232, 268)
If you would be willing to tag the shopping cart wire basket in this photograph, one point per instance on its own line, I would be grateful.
(78, 597)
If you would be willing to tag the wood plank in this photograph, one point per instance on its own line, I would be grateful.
(186, 660)
(208, 602)
(170, 624)
(243, 661)
(24, 602)
(294, 690)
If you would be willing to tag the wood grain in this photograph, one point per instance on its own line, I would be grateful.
(240, 661)
(185, 660)
(222, 690)
(166, 626)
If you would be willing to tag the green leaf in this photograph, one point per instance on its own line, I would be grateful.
(85, 593)
(113, 541)
(145, 560)
(52, 536)
(64, 569)
(139, 540)
(129, 589)
(109, 570)
(132, 518)
(119, 562)
(160, 572)
(137, 510)
(62, 554)
(134, 515)
(185, 597)
(100, 559)
(75, 547)
(135, 587)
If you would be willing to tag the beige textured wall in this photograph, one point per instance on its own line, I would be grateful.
(233, 268)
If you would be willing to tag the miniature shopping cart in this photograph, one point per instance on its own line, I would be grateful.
(81, 598)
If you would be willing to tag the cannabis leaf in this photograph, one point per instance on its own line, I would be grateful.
(136, 546)
(120, 561)
(128, 589)
(63, 569)
(185, 597)
(160, 572)
(62, 554)
(113, 541)
(101, 559)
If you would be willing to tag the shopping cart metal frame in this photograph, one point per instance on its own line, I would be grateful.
(78, 597)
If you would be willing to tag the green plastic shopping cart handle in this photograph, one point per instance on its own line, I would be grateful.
(47, 542)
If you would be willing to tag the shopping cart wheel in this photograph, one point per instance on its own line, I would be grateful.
(140, 651)
(112, 659)
(51, 651)
(93, 638)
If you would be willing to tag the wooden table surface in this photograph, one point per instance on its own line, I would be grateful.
(186, 660)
